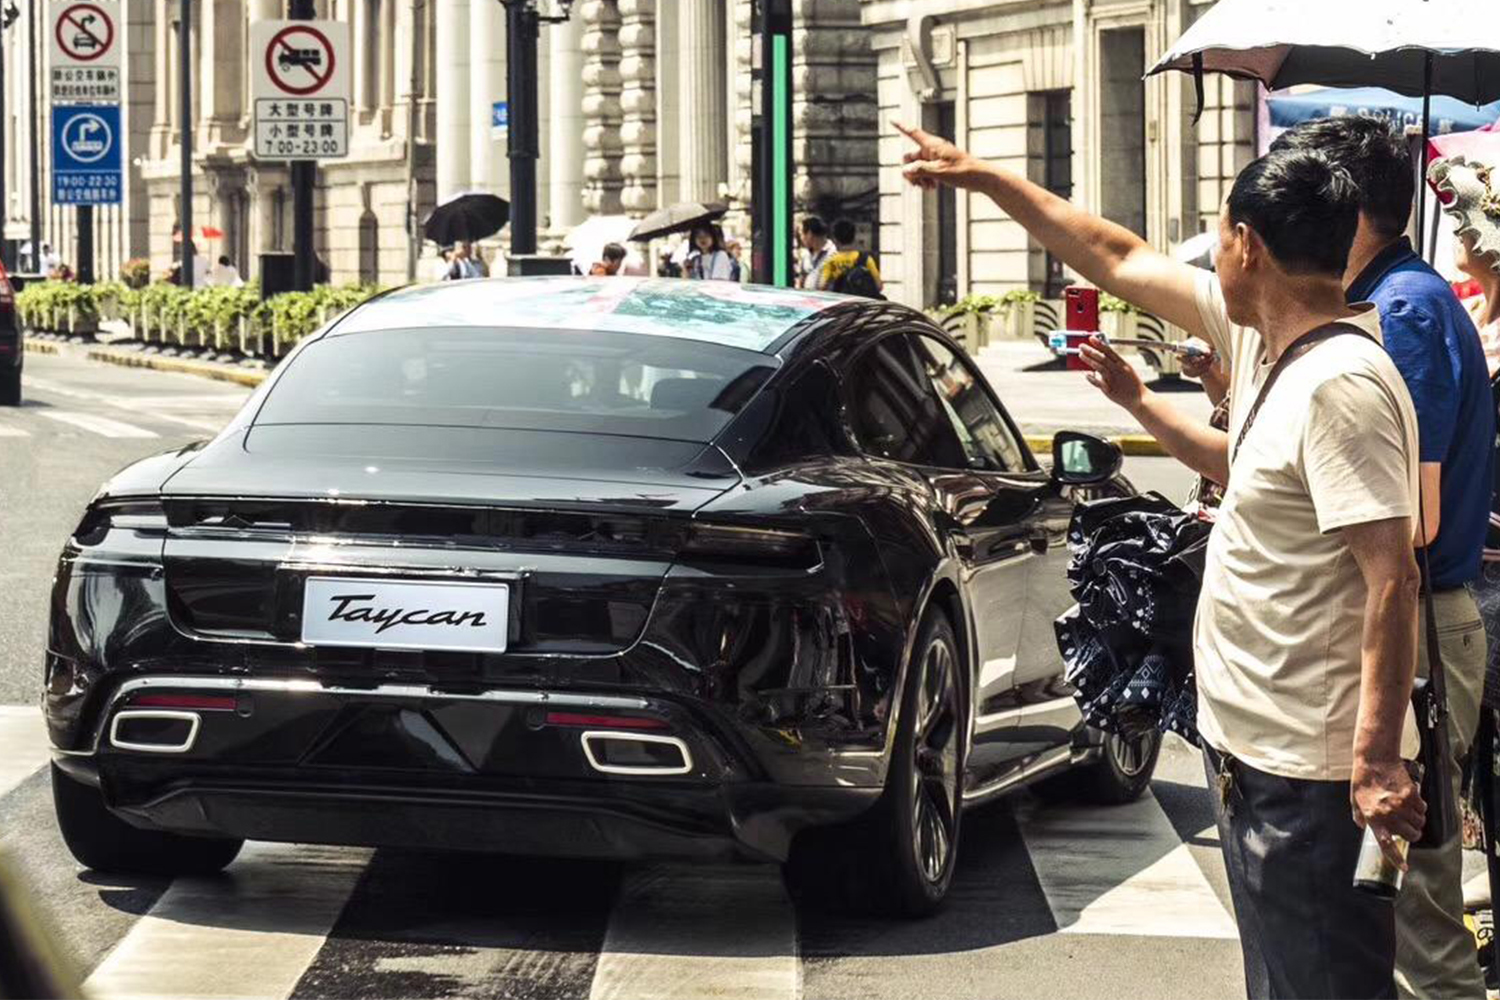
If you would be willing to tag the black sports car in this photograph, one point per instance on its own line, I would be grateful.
(584, 567)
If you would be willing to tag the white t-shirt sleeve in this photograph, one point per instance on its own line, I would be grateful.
(1356, 452)
(1209, 298)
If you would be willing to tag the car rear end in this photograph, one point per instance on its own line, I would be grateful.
(382, 615)
(12, 348)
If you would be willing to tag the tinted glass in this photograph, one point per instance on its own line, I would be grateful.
(896, 413)
(986, 439)
(552, 380)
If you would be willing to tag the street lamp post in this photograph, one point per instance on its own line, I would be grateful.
(36, 139)
(8, 17)
(185, 134)
(303, 176)
(771, 153)
(522, 30)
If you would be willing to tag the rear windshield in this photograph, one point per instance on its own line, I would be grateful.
(554, 380)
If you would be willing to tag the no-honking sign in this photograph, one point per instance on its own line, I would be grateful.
(300, 85)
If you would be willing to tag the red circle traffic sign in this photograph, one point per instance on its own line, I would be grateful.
(84, 32)
(314, 60)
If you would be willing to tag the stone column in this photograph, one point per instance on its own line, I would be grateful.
(161, 127)
(221, 100)
(738, 104)
(668, 85)
(488, 168)
(638, 104)
(835, 120)
(703, 126)
(452, 62)
(361, 31)
(565, 152)
(601, 106)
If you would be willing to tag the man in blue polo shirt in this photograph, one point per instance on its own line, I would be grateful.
(1434, 344)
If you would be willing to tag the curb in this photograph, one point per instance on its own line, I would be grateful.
(182, 367)
(40, 347)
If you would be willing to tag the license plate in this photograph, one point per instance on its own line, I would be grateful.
(390, 614)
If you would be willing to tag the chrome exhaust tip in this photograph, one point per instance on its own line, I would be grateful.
(154, 730)
(614, 752)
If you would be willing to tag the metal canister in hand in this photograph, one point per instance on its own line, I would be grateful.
(1373, 871)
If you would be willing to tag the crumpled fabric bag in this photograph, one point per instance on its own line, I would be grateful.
(1136, 570)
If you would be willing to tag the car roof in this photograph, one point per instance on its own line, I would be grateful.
(753, 317)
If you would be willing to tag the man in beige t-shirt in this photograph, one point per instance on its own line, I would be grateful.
(1306, 628)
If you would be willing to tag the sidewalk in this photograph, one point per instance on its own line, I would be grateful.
(1046, 401)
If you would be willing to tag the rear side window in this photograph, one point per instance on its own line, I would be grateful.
(897, 415)
(553, 380)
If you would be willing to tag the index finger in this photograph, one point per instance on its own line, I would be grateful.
(914, 134)
(1104, 347)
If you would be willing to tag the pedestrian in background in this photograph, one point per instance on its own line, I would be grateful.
(816, 249)
(461, 263)
(849, 269)
(1430, 337)
(613, 259)
(709, 260)
(1305, 633)
(666, 267)
(225, 275)
(733, 248)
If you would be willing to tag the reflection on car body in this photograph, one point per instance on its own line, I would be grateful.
(771, 575)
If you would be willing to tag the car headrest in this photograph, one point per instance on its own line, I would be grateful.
(685, 393)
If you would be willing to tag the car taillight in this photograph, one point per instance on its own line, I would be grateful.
(100, 519)
(7, 293)
(752, 545)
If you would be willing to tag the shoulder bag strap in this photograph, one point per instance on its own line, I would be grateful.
(1287, 356)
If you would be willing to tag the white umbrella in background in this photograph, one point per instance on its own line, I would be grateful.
(585, 241)
(1414, 47)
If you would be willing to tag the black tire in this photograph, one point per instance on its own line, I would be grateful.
(898, 858)
(102, 841)
(1120, 775)
(10, 387)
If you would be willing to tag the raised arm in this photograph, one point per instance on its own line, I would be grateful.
(1108, 255)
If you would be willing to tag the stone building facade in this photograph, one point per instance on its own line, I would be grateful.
(1051, 89)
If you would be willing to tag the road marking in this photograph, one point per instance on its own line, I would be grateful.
(697, 931)
(155, 405)
(103, 426)
(23, 745)
(1120, 870)
(250, 932)
(7, 431)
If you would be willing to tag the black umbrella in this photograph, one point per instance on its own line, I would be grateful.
(678, 218)
(470, 216)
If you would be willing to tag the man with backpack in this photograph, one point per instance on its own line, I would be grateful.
(848, 269)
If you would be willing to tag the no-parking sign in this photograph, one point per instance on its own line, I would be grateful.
(85, 42)
(300, 84)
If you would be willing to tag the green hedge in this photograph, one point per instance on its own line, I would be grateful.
(203, 315)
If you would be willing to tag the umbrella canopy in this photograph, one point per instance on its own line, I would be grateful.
(1349, 43)
(469, 216)
(678, 218)
(585, 241)
(1448, 113)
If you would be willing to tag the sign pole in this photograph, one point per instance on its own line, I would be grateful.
(304, 174)
(521, 34)
(85, 223)
(185, 131)
(36, 141)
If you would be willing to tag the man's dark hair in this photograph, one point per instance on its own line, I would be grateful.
(1376, 156)
(844, 232)
(613, 251)
(224, 259)
(1303, 207)
(814, 226)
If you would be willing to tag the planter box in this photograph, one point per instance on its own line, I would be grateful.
(1016, 321)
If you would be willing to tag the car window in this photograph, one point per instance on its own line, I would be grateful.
(897, 415)
(579, 381)
(981, 429)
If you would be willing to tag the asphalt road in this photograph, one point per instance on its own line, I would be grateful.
(1049, 901)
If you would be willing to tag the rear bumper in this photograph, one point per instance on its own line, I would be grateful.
(408, 766)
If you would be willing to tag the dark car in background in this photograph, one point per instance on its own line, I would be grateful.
(587, 567)
(12, 349)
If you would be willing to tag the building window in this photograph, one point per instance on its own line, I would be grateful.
(1122, 127)
(1052, 116)
(369, 248)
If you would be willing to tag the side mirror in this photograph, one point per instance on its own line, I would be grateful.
(1080, 459)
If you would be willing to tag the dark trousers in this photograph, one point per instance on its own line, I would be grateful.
(1290, 847)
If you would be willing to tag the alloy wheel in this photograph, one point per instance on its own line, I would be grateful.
(1131, 755)
(934, 792)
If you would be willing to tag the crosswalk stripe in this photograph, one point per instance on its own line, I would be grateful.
(155, 405)
(96, 424)
(250, 933)
(688, 932)
(23, 744)
(7, 431)
(1122, 870)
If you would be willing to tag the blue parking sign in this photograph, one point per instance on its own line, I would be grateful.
(86, 155)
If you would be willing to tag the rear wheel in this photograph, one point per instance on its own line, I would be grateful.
(10, 387)
(1120, 775)
(102, 841)
(898, 858)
